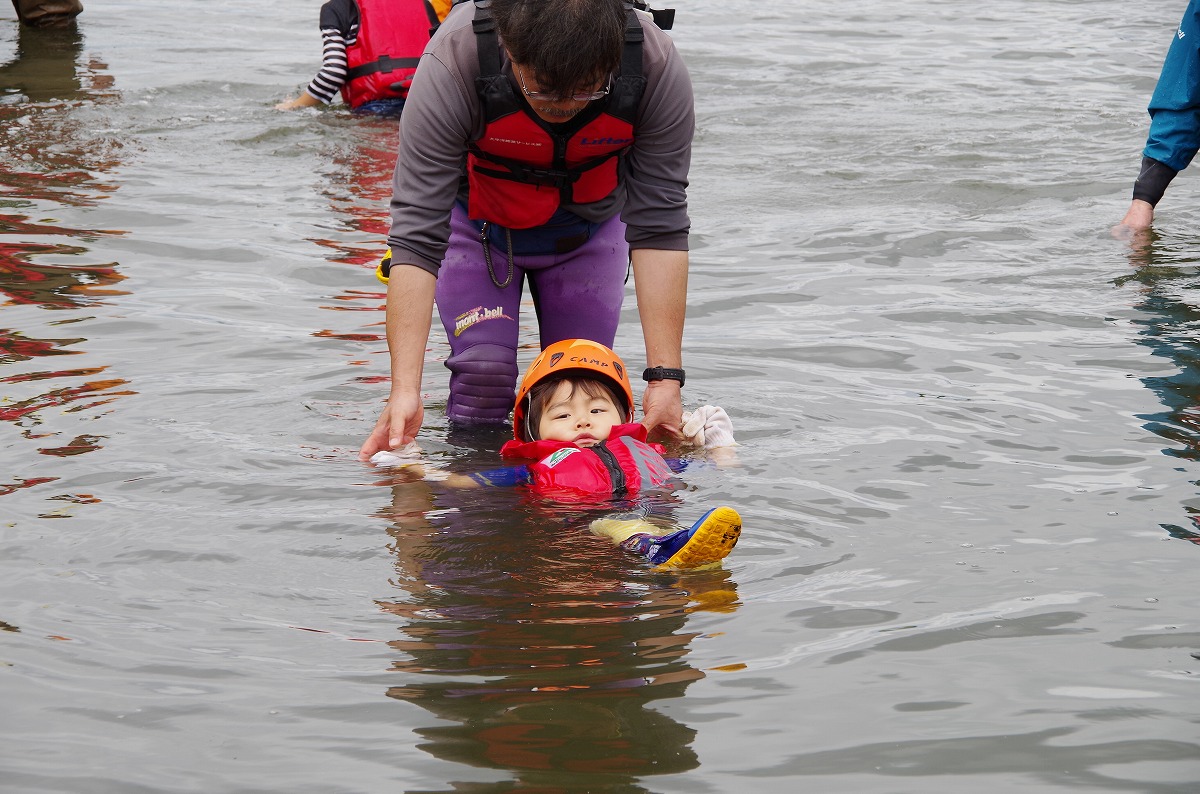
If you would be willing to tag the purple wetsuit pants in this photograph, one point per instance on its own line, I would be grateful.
(576, 294)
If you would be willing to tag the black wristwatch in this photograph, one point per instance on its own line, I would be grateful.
(663, 373)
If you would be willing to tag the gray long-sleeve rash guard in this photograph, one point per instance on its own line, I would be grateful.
(443, 113)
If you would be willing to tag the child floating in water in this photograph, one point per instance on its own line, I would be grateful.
(574, 420)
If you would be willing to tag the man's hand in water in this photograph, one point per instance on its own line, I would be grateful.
(409, 313)
(397, 425)
(1137, 220)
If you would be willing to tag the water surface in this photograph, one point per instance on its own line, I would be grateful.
(968, 423)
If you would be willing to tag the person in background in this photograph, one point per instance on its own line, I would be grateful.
(1174, 134)
(370, 53)
(47, 13)
(547, 140)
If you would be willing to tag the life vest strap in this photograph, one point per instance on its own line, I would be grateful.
(432, 16)
(486, 41)
(384, 63)
(547, 177)
(550, 177)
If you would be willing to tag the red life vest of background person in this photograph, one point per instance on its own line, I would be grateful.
(522, 169)
(381, 63)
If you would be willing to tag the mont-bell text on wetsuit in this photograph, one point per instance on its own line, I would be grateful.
(605, 141)
(477, 315)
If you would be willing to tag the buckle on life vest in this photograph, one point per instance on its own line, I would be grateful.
(550, 177)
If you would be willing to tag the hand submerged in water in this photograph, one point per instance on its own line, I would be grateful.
(397, 425)
(1137, 221)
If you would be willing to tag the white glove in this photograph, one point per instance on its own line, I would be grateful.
(709, 426)
(409, 458)
(406, 455)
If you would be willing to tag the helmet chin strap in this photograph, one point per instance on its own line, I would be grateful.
(528, 407)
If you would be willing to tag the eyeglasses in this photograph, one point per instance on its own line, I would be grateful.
(545, 96)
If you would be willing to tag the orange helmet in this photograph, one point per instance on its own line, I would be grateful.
(572, 358)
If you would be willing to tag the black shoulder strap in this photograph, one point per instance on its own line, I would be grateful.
(431, 15)
(627, 92)
(486, 40)
(434, 22)
(493, 87)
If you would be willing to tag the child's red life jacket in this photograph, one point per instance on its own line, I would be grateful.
(618, 467)
(392, 34)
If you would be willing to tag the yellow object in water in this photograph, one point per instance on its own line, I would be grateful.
(711, 541)
(384, 267)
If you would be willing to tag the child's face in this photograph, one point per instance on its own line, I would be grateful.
(578, 416)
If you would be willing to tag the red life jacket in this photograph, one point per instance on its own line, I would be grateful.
(523, 168)
(618, 467)
(392, 34)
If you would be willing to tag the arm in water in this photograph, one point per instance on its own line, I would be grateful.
(409, 316)
(660, 279)
(1174, 135)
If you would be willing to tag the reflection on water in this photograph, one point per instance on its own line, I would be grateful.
(541, 646)
(1170, 279)
(44, 68)
(956, 564)
(53, 161)
(359, 187)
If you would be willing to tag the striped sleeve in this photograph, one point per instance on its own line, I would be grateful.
(332, 76)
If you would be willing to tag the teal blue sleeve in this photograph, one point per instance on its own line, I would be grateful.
(1175, 106)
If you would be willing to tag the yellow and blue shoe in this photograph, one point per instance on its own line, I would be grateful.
(710, 539)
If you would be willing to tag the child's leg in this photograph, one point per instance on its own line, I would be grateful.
(710, 539)
(621, 528)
